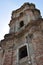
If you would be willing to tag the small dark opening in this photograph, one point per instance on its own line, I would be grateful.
(21, 23)
(22, 52)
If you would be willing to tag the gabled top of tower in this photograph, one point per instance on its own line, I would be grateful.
(23, 16)
(27, 4)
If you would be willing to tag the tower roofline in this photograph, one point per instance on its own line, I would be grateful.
(25, 4)
(11, 22)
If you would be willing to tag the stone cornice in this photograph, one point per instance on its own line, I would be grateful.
(26, 29)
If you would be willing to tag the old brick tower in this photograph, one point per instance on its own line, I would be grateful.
(23, 45)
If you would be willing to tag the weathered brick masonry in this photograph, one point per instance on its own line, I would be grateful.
(23, 45)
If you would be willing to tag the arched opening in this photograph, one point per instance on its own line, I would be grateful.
(21, 24)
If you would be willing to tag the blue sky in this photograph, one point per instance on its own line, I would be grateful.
(6, 8)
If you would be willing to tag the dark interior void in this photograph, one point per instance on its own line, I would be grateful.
(23, 52)
(21, 24)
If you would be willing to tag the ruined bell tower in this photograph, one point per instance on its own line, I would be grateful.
(23, 45)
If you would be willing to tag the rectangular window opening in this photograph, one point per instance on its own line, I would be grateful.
(23, 52)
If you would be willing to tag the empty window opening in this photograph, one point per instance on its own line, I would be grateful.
(21, 23)
(23, 52)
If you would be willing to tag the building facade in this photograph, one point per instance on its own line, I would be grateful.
(23, 45)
